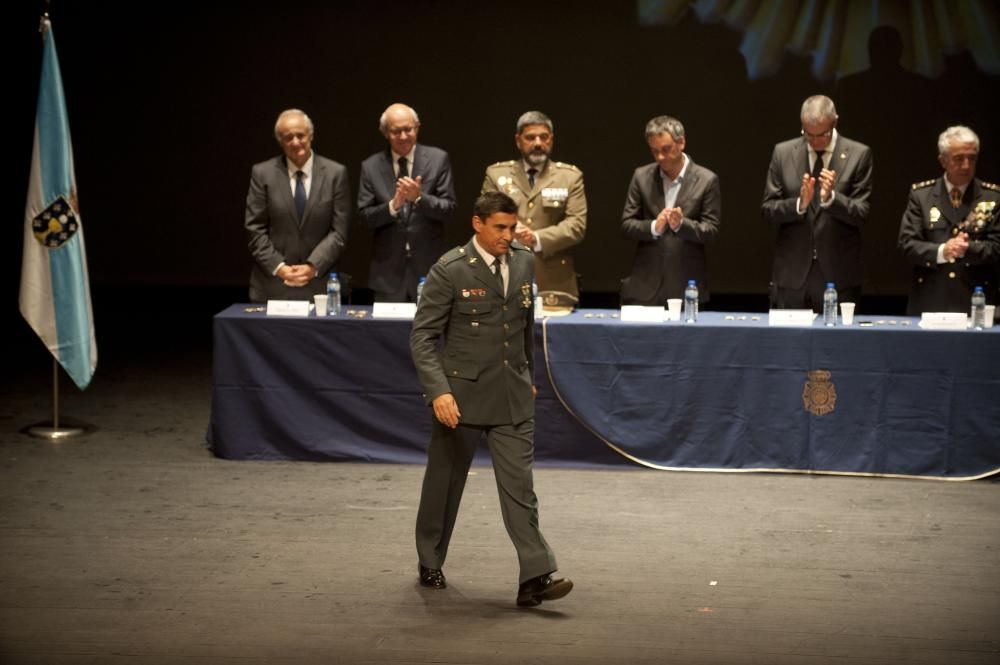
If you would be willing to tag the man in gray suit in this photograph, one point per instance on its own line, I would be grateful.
(406, 197)
(817, 207)
(673, 210)
(296, 216)
(477, 305)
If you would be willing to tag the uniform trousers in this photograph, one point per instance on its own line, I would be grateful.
(449, 456)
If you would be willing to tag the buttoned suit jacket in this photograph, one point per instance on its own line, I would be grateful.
(931, 220)
(422, 224)
(559, 223)
(662, 266)
(470, 340)
(276, 235)
(833, 232)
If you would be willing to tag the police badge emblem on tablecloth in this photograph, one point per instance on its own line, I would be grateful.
(820, 395)
(55, 225)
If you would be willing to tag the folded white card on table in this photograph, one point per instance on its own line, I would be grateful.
(790, 317)
(394, 310)
(288, 307)
(642, 314)
(944, 321)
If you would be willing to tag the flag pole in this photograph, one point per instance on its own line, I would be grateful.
(53, 201)
(52, 431)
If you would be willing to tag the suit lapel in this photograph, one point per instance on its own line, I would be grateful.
(656, 187)
(688, 185)
(419, 163)
(318, 177)
(802, 159)
(284, 193)
(386, 169)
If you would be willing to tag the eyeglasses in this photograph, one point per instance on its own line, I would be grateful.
(823, 135)
(399, 131)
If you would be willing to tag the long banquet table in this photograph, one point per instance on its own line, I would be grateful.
(729, 393)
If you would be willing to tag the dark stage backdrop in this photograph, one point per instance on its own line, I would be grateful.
(169, 109)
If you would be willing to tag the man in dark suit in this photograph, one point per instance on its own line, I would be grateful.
(673, 210)
(296, 216)
(477, 305)
(951, 230)
(406, 197)
(817, 207)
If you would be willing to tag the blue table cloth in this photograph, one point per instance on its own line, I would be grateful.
(727, 393)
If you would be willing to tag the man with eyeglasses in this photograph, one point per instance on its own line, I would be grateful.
(296, 215)
(551, 209)
(816, 200)
(951, 230)
(405, 197)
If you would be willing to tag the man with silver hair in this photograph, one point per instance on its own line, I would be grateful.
(405, 197)
(552, 208)
(672, 211)
(296, 215)
(816, 200)
(950, 231)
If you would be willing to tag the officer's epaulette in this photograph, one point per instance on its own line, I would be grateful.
(924, 183)
(509, 162)
(452, 255)
(564, 165)
(990, 185)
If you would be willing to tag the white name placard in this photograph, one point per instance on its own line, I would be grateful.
(944, 321)
(790, 317)
(642, 314)
(288, 307)
(394, 310)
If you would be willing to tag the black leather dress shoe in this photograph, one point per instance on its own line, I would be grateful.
(537, 589)
(432, 577)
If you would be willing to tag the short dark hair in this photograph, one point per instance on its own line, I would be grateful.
(490, 203)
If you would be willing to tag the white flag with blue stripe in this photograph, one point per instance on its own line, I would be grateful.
(55, 290)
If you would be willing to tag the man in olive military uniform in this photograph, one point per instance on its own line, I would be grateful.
(551, 208)
(951, 230)
(472, 345)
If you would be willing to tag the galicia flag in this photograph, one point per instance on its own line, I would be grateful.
(55, 291)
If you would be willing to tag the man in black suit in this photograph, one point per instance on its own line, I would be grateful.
(406, 197)
(472, 345)
(673, 210)
(951, 230)
(817, 207)
(296, 215)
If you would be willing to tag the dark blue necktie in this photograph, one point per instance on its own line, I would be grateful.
(404, 212)
(300, 194)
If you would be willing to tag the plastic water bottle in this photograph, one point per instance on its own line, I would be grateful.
(978, 309)
(420, 288)
(691, 302)
(830, 305)
(333, 295)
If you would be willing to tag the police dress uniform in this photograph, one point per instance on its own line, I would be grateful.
(486, 361)
(556, 210)
(930, 220)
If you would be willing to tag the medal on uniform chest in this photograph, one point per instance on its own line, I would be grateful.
(934, 214)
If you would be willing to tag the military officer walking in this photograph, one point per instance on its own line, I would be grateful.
(477, 307)
(551, 208)
(951, 230)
